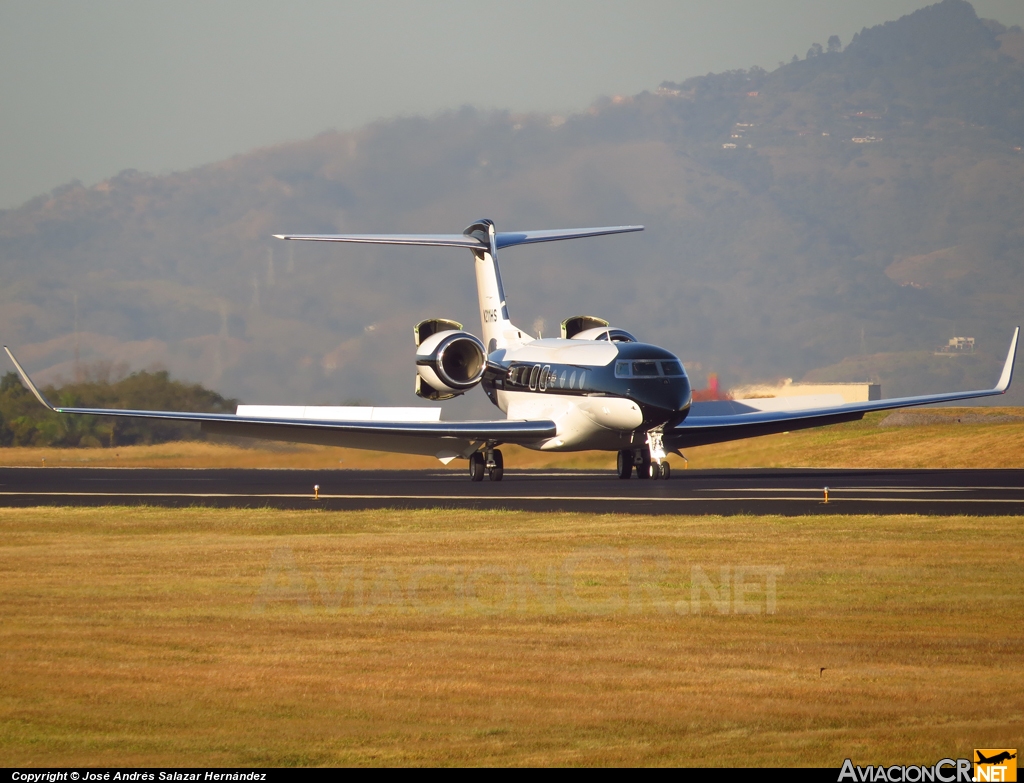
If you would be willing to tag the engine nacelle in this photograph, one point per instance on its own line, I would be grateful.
(448, 362)
(606, 333)
(590, 327)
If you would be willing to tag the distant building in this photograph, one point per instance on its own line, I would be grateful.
(958, 345)
(798, 396)
(864, 139)
(728, 146)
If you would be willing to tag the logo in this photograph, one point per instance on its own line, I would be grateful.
(995, 764)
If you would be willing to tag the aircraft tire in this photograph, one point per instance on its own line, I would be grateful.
(625, 464)
(666, 471)
(498, 471)
(476, 466)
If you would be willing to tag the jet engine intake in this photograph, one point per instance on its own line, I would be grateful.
(448, 364)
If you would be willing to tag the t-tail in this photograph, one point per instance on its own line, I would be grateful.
(481, 238)
(496, 329)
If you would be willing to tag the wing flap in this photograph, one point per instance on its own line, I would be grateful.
(339, 412)
(507, 431)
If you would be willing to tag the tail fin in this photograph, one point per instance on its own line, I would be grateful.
(497, 330)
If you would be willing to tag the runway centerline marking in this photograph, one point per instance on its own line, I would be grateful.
(818, 490)
(495, 498)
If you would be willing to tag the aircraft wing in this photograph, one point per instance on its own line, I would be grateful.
(442, 439)
(705, 424)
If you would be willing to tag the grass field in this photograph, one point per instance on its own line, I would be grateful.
(933, 438)
(229, 637)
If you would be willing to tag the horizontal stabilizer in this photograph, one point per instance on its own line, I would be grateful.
(435, 240)
(511, 238)
(501, 239)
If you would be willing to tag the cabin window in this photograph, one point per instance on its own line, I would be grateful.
(583, 378)
(645, 369)
(518, 375)
(534, 377)
(672, 368)
(561, 380)
(544, 375)
(572, 379)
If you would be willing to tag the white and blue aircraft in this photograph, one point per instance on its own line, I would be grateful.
(595, 388)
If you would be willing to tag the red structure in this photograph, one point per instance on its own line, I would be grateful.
(711, 392)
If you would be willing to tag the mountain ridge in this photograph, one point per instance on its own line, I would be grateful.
(763, 261)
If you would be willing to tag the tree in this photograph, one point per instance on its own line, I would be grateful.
(834, 44)
(814, 51)
(24, 422)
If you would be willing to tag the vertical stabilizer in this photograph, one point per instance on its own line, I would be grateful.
(497, 330)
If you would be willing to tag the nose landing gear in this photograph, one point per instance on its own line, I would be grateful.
(650, 459)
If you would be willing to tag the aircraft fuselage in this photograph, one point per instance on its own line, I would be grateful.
(601, 394)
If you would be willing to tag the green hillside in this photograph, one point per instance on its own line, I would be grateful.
(795, 250)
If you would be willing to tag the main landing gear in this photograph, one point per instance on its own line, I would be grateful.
(489, 462)
(650, 460)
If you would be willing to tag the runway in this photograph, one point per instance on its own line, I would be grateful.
(789, 492)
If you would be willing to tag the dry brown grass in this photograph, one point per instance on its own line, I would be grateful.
(987, 438)
(988, 441)
(135, 637)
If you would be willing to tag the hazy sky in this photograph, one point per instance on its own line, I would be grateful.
(91, 88)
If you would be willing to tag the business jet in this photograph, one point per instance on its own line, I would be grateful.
(597, 387)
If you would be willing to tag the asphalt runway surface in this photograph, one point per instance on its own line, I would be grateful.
(754, 491)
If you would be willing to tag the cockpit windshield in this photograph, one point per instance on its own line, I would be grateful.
(649, 368)
(672, 368)
(641, 369)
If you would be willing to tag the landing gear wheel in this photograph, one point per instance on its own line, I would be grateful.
(476, 466)
(498, 470)
(643, 469)
(666, 471)
(655, 470)
(625, 464)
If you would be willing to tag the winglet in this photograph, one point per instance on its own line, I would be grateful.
(28, 381)
(1004, 379)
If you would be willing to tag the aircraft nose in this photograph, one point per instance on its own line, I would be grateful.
(671, 395)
